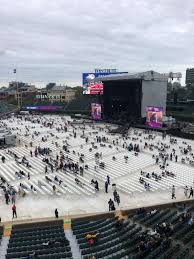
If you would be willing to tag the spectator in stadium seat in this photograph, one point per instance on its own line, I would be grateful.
(141, 211)
(92, 238)
(119, 224)
(32, 256)
(190, 221)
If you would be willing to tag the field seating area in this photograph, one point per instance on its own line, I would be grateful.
(61, 159)
(30, 238)
(125, 242)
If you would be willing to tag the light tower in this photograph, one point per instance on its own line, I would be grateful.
(18, 93)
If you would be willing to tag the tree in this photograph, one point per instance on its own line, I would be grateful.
(78, 91)
(176, 85)
(182, 93)
(169, 87)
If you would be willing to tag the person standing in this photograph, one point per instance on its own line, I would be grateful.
(108, 179)
(118, 199)
(191, 192)
(3, 159)
(110, 202)
(14, 212)
(96, 185)
(7, 198)
(13, 197)
(173, 192)
(115, 195)
(186, 191)
(176, 158)
(56, 214)
(106, 187)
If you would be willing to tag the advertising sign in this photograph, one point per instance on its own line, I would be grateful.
(44, 108)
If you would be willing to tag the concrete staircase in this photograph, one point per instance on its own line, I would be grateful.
(73, 243)
(3, 247)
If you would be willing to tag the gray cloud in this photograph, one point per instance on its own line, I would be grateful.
(58, 40)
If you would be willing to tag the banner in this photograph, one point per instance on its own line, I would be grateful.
(44, 108)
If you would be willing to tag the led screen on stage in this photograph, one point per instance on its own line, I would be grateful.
(96, 111)
(154, 116)
(92, 87)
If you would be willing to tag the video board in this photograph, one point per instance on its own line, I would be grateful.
(96, 111)
(92, 87)
(154, 116)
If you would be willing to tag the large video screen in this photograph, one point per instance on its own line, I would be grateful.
(154, 116)
(96, 111)
(44, 108)
(92, 87)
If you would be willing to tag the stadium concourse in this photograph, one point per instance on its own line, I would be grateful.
(62, 163)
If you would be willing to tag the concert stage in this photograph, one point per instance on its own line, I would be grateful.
(127, 96)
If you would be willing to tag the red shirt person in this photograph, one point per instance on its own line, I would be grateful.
(14, 212)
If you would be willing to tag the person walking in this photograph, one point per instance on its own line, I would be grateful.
(106, 187)
(14, 212)
(191, 192)
(173, 192)
(56, 214)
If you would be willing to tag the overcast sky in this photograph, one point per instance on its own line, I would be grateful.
(55, 41)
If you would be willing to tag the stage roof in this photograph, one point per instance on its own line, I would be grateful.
(147, 76)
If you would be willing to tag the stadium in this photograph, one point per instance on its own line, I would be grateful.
(115, 184)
